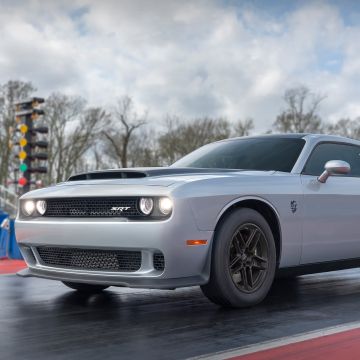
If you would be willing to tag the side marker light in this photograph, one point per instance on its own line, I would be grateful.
(196, 242)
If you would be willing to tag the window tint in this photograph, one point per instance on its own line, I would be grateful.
(278, 154)
(327, 151)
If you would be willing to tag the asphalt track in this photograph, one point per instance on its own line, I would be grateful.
(42, 319)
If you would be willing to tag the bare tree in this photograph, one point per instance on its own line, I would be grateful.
(301, 114)
(120, 130)
(345, 127)
(181, 138)
(86, 133)
(243, 128)
(98, 158)
(9, 93)
(144, 150)
(73, 130)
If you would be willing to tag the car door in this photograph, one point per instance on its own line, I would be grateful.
(331, 226)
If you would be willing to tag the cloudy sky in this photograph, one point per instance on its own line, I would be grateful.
(190, 58)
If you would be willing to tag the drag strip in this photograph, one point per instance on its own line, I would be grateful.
(328, 342)
(42, 319)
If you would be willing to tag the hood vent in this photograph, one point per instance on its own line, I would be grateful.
(144, 172)
(102, 175)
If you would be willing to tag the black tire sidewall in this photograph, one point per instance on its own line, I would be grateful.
(220, 258)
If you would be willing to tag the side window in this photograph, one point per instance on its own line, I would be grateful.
(330, 151)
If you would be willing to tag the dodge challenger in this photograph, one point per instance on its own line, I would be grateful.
(230, 217)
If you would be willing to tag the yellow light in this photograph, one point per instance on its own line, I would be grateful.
(24, 128)
(22, 155)
(23, 142)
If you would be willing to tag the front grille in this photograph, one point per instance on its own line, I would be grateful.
(93, 207)
(90, 259)
(159, 261)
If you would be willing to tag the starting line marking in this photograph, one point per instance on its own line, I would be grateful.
(271, 344)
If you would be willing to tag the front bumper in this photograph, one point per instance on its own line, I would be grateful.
(184, 265)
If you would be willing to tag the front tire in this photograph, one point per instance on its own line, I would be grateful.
(85, 288)
(243, 260)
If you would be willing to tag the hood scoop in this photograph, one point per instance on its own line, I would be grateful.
(143, 172)
(103, 175)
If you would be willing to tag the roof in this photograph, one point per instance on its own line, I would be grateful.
(321, 137)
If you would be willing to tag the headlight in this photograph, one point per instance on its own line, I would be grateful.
(28, 207)
(165, 205)
(41, 207)
(146, 205)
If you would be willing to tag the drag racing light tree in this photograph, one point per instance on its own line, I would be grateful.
(31, 150)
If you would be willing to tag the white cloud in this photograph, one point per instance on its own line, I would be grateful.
(191, 58)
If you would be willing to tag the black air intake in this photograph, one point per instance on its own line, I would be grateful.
(90, 259)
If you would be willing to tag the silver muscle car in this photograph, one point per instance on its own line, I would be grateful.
(229, 217)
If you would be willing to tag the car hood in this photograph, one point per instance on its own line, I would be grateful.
(135, 181)
(161, 176)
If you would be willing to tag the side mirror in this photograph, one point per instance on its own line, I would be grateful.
(334, 167)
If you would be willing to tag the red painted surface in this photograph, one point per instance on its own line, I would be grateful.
(341, 346)
(11, 266)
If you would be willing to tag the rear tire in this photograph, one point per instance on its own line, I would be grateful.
(85, 288)
(243, 260)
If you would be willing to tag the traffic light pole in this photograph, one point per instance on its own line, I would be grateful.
(27, 149)
(27, 112)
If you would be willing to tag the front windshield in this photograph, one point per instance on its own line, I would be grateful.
(279, 154)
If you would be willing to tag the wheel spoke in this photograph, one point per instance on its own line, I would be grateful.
(244, 278)
(260, 263)
(237, 269)
(249, 276)
(235, 261)
(259, 267)
(259, 258)
(240, 239)
(237, 246)
(252, 240)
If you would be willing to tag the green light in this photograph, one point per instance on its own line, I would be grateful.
(23, 167)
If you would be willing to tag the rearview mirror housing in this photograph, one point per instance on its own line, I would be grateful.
(334, 167)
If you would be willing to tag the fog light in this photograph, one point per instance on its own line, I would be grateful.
(165, 205)
(28, 207)
(41, 207)
(146, 205)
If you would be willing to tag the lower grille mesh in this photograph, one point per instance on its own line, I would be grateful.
(91, 259)
(159, 261)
